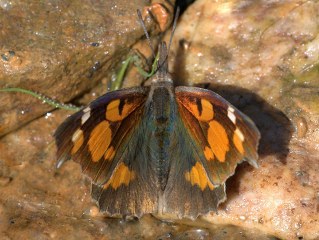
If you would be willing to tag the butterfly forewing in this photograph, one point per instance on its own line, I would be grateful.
(93, 136)
(226, 136)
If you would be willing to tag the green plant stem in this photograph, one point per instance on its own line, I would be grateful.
(43, 98)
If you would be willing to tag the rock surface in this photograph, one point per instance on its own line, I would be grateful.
(61, 50)
(260, 55)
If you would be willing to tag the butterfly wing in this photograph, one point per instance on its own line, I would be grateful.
(227, 137)
(213, 137)
(104, 138)
(189, 191)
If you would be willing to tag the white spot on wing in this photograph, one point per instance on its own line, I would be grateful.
(239, 134)
(231, 109)
(87, 109)
(78, 133)
(231, 115)
(86, 115)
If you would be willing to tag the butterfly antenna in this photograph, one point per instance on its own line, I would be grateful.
(140, 18)
(173, 28)
(164, 50)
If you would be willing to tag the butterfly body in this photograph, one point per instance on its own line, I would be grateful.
(160, 120)
(158, 149)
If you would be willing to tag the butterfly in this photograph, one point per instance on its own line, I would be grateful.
(158, 149)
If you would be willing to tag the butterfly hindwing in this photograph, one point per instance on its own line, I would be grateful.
(189, 191)
(225, 135)
(138, 194)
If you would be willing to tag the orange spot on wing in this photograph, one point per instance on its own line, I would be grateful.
(99, 140)
(238, 143)
(207, 112)
(109, 153)
(197, 176)
(218, 140)
(209, 155)
(77, 139)
(121, 175)
(113, 111)
(193, 108)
